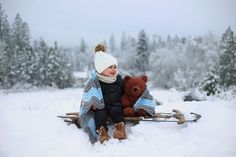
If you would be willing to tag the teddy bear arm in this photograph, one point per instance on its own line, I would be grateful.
(142, 113)
(129, 112)
(125, 101)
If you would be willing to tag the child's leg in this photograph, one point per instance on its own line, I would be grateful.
(116, 114)
(117, 117)
(100, 117)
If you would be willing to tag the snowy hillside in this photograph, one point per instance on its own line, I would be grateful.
(30, 128)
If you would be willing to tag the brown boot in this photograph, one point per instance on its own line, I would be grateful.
(103, 136)
(119, 132)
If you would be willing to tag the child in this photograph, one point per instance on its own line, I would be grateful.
(101, 99)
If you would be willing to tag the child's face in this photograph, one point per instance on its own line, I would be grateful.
(111, 71)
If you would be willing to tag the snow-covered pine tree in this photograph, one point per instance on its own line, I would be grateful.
(53, 66)
(227, 60)
(168, 44)
(5, 28)
(83, 45)
(81, 56)
(2, 20)
(35, 78)
(62, 71)
(153, 44)
(210, 85)
(127, 54)
(176, 40)
(7, 66)
(86, 61)
(123, 42)
(210, 82)
(112, 44)
(82, 50)
(23, 54)
(3, 67)
(42, 51)
(142, 57)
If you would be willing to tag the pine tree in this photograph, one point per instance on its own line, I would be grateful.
(112, 44)
(169, 42)
(160, 43)
(227, 60)
(53, 67)
(2, 46)
(4, 26)
(64, 72)
(83, 46)
(211, 84)
(2, 20)
(2, 66)
(42, 51)
(36, 65)
(123, 42)
(22, 49)
(7, 66)
(81, 56)
(142, 58)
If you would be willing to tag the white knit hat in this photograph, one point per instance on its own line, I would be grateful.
(103, 60)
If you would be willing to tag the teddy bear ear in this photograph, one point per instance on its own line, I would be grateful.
(145, 78)
(126, 78)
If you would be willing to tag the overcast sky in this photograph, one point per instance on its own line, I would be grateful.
(95, 20)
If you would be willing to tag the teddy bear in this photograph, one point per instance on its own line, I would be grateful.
(133, 88)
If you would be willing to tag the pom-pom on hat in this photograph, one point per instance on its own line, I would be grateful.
(102, 59)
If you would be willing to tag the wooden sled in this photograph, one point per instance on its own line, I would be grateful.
(174, 116)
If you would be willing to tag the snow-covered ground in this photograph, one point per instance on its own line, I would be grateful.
(29, 127)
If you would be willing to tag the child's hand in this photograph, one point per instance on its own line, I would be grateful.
(94, 108)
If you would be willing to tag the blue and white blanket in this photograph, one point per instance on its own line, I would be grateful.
(92, 95)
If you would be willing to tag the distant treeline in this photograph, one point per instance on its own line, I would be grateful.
(204, 62)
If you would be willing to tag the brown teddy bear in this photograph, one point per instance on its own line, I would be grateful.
(133, 87)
